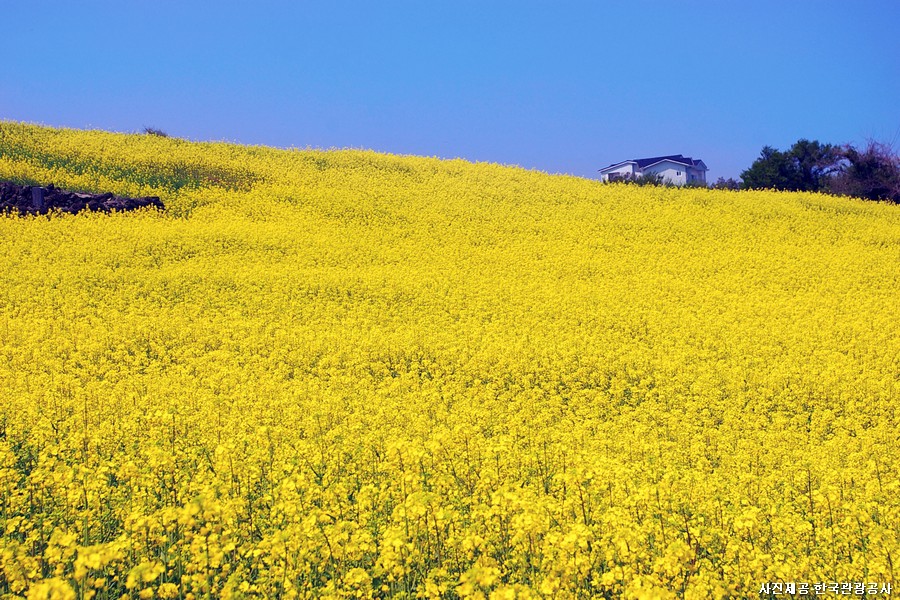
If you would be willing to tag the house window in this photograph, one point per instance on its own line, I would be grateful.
(678, 172)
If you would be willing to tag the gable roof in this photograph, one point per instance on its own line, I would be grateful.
(677, 158)
(643, 163)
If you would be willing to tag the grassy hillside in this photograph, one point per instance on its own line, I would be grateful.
(351, 374)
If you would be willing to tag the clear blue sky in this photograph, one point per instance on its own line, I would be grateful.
(557, 86)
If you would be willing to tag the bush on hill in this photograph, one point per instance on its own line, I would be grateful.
(872, 173)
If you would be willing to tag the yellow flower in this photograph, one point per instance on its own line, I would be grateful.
(319, 373)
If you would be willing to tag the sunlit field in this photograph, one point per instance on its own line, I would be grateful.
(345, 374)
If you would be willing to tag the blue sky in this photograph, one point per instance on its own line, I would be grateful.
(562, 86)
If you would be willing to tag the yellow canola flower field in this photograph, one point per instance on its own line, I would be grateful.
(345, 374)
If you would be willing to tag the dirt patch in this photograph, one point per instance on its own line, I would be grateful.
(37, 200)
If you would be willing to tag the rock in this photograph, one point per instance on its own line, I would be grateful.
(24, 199)
(37, 200)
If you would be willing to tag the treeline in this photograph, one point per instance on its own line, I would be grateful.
(872, 172)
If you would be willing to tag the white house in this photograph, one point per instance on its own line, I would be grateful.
(675, 169)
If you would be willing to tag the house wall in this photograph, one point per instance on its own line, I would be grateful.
(671, 172)
(623, 170)
(696, 175)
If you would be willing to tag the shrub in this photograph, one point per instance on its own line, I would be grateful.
(872, 173)
(155, 131)
(727, 184)
(648, 179)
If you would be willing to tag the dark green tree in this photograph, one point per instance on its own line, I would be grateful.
(773, 169)
(806, 167)
(814, 163)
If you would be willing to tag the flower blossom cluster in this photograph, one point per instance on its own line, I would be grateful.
(345, 374)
